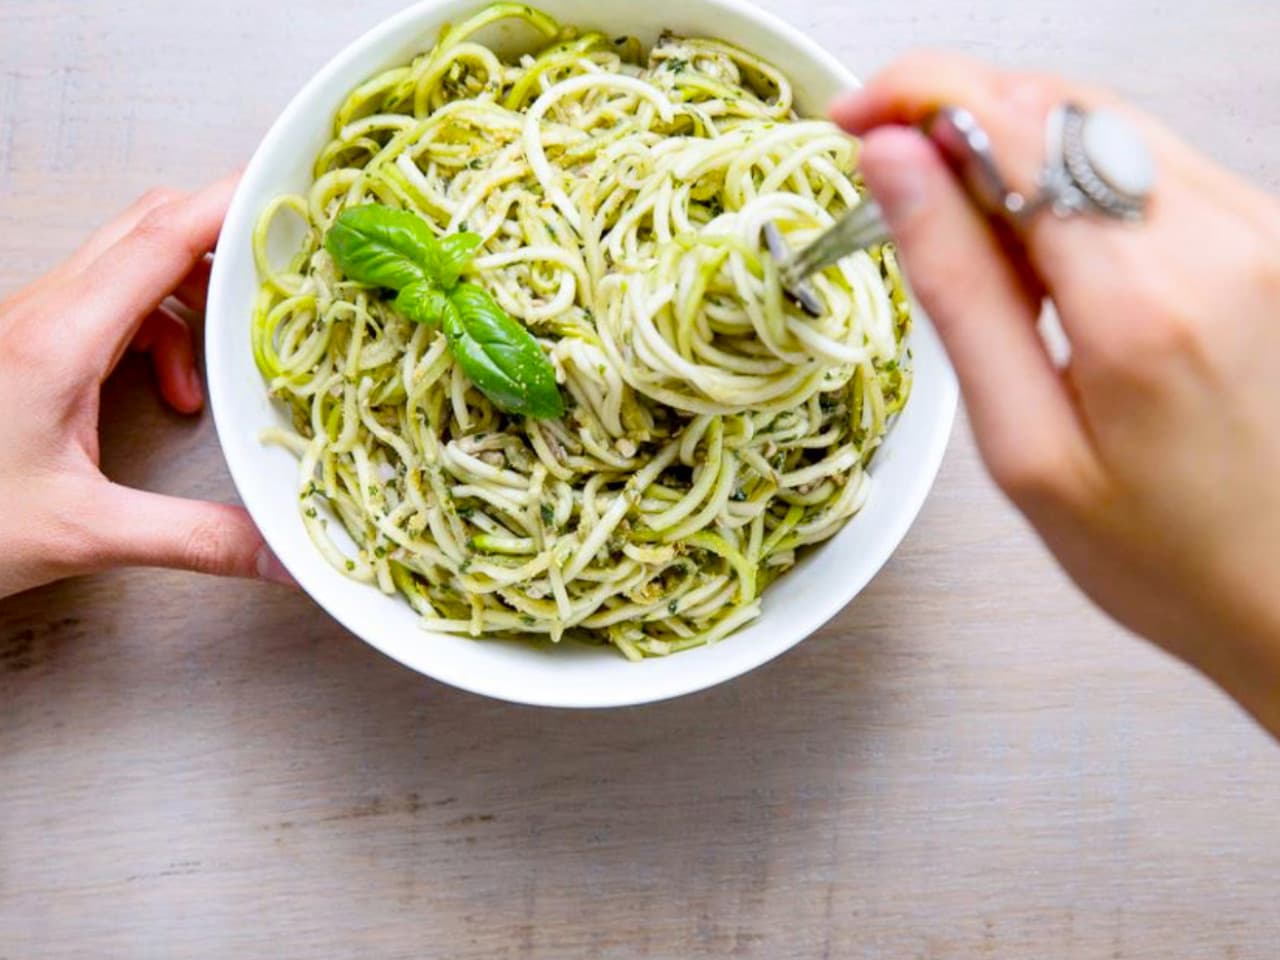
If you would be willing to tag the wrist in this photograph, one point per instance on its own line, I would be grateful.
(1243, 656)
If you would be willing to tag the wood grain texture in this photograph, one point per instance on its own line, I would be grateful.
(967, 763)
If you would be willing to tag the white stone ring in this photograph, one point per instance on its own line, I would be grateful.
(1096, 162)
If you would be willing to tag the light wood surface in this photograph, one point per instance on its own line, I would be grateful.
(968, 762)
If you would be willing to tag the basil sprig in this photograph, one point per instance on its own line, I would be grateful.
(382, 247)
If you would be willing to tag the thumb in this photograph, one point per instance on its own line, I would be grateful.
(137, 528)
(1022, 415)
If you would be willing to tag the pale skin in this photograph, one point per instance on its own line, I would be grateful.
(1148, 464)
(59, 340)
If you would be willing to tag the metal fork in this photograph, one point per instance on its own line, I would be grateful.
(966, 147)
(861, 227)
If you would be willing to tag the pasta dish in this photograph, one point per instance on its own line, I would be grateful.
(541, 375)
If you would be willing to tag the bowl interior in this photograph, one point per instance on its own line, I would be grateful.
(572, 676)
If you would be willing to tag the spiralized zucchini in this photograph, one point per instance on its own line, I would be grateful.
(713, 429)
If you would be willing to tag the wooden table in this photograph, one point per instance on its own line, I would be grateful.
(969, 762)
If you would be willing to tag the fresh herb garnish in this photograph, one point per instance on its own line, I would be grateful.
(396, 249)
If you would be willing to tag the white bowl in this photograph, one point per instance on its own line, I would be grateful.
(826, 578)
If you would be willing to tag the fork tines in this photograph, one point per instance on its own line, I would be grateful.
(860, 228)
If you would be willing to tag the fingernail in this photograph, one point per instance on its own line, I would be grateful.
(271, 569)
(195, 386)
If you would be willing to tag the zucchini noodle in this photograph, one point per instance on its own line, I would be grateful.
(712, 430)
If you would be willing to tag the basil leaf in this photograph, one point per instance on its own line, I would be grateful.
(500, 356)
(450, 258)
(422, 303)
(380, 246)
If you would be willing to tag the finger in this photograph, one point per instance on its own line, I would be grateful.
(119, 227)
(1081, 259)
(1025, 424)
(193, 291)
(1011, 105)
(99, 241)
(132, 277)
(137, 528)
(167, 339)
(914, 87)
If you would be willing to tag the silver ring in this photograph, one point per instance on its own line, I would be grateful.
(1096, 162)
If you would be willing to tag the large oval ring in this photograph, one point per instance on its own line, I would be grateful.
(1095, 162)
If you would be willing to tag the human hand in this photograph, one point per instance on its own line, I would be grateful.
(59, 340)
(1148, 464)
